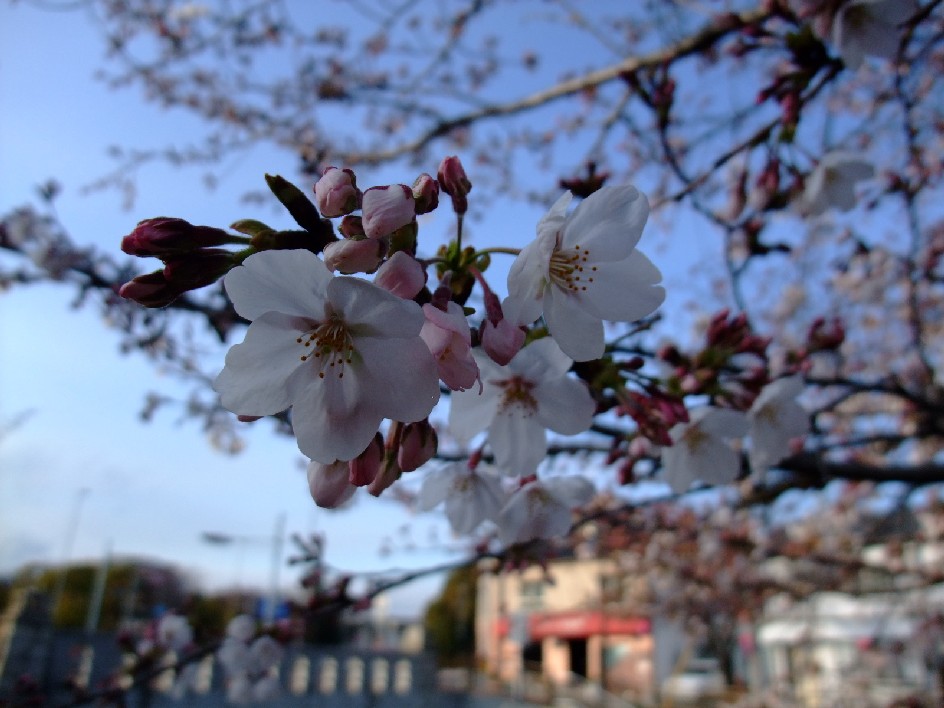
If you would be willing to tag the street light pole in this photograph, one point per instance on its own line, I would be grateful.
(225, 539)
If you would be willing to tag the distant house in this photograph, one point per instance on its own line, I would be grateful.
(578, 627)
(886, 640)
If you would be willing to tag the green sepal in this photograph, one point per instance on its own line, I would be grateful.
(299, 206)
(251, 227)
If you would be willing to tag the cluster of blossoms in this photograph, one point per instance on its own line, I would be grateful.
(163, 643)
(251, 662)
(361, 363)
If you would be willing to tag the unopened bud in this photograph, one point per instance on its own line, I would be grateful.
(352, 227)
(364, 467)
(502, 341)
(336, 193)
(328, 484)
(350, 256)
(418, 444)
(389, 473)
(401, 275)
(453, 181)
(165, 236)
(386, 209)
(150, 290)
(426, 193)
(198, 269)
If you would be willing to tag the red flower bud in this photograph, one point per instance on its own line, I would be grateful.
(165, 236)
(150, 290)
(453, 181)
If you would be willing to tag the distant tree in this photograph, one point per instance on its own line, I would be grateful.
(450, 619)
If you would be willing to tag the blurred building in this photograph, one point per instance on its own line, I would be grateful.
(580, 626)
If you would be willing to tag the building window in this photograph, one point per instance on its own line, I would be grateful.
(532, 594)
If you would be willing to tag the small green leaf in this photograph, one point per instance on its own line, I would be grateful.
(299, 206)
(251, 227)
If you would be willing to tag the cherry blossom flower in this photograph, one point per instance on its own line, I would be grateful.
(471, 496)
(870, 27)
(519, 401)
(832, 183)
(583, 268)
(775, 419)
(449, 339)
(343, 353)
(251, 667)
(541, 509)
(174, 632)
(699, 450)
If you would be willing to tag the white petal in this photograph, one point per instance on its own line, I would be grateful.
(532, 512)
(564, 405)
(264, 374)
(519, 443)
(608, 223)
(571, 491)
(551, 223)
(540, 360)
(478, 497)
(372, 311)
(527, 281)
(399, 376)
(678, 465)
(292, 282)
(579, 334)
(622, 291)
(784, 389)
(717, 462)
(436, 487)
(472, 412)
(332, 420)
(724, 423)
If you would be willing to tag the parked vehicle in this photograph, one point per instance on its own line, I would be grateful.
(702, 678)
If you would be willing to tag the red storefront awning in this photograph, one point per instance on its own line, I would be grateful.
(577, 624)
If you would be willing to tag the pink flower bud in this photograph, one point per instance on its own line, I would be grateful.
(418, 444)
(426, 193)
(350, 256)
(453, 181)
(166, 236)
(364, 467)
(386, 209)
(389, 474)
(352, 227)
(449, 340)
(150, 290)
(328, 484)
(401, 275)
(336, 193)
(502, 341)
